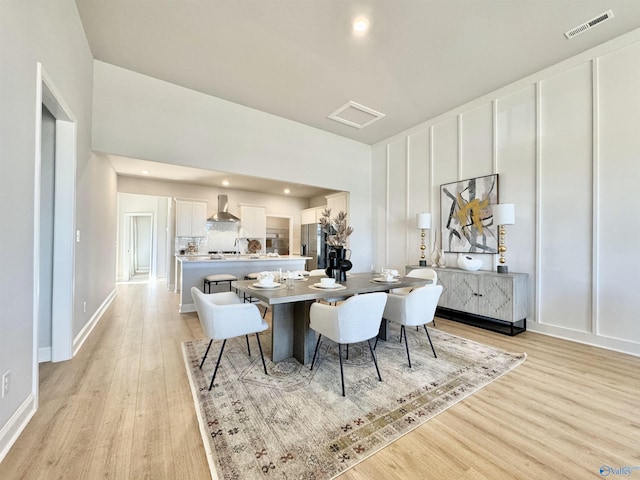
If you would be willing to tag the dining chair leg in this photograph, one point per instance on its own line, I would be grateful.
(316, 352)
(206, 353)
(217, 364)
(430, 342)
(406, 343)
(341, 371)
(248, 347)
(375, 344)
(264, 365)
(347, 357)
(375, 362)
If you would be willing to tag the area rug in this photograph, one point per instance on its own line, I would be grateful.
(294, 423)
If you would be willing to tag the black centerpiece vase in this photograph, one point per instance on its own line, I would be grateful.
(339, 265)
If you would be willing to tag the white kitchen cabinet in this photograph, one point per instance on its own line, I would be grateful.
(254, 222)
(338, 202)
(191, 218)
(311, 215)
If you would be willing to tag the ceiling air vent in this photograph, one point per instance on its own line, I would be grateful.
(355, 115)
(590, 24)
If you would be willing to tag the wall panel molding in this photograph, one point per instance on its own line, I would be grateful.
(564, 142)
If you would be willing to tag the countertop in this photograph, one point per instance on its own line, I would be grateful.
(241, 258)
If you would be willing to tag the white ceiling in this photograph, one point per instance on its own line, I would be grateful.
(298, 59)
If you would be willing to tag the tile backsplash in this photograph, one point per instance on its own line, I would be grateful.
(220, 237)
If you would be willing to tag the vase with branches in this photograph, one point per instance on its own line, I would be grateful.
(336, 228)
(337, 232)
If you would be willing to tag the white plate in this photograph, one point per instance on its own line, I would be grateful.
(382, 280)
(270, 285)
(335, 285)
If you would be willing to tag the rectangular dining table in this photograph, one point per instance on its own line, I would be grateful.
(290, 332)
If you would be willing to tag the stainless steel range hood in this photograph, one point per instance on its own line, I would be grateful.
(223, 214)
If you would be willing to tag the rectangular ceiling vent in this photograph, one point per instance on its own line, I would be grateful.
(590, 24)
(355, 115)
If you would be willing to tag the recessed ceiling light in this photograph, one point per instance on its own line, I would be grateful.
(145, 172)
(287, 191)
(225, 183)
(360, 25)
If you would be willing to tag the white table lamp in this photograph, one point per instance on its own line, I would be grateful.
(503, 214)
(423, 222)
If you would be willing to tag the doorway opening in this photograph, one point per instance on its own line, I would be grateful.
(139, 250)
(279, 234)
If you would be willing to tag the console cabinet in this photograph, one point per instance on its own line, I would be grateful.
(499, 296)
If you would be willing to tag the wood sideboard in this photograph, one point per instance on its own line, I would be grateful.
(498, 301)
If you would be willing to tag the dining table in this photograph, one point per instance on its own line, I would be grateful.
(290, 304)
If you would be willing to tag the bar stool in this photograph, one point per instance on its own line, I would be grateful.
(216, 279)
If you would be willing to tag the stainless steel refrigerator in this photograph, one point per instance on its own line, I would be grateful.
(313, 243)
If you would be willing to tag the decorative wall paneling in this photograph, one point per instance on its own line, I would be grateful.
(516, 166)
(618, 166)
(565, 190)
(418, 191)
(397, 224)
(565, 143)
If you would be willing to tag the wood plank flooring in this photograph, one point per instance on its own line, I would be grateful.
(122, 409)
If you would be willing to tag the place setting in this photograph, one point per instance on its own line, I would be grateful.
(327, 284)
(266, 281)
(387, 276)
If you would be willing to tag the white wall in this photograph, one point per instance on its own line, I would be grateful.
(51, 33)
(142, 117)
(565, 144)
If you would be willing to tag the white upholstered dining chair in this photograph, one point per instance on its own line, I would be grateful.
(413, 309)
(355, 320)
(223, 316)
(426, 273)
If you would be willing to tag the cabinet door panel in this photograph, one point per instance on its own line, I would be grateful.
(254, 222)
(458, 291)
(308, 216)
(199, 220)
(183, 219)
(497, 297)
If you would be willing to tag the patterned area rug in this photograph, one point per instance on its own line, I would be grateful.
(295, 424)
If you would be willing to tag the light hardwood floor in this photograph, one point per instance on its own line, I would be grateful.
(123, 409)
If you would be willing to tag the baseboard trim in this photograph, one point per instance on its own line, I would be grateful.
(187, 307)
(16, 424)
(44, 354)
(88, 328)
(616, 345)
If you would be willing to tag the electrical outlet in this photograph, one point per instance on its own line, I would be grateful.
(84, 307)
(6, 382)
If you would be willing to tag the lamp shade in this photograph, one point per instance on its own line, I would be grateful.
(423, 220)
(504, 214)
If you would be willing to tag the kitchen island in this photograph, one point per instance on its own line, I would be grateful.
(191, 270)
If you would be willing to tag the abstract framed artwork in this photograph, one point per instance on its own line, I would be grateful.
(466, 215)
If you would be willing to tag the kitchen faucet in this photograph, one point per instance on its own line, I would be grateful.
(236, 245)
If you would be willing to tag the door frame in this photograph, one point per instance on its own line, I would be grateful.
(64, 235)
